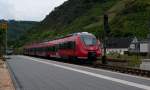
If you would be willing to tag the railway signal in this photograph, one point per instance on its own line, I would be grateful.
(106, 34)
(106, 25)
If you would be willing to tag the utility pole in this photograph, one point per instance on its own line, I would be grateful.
(148, 46)
(6, 39)
(149, 41)
(4, 26)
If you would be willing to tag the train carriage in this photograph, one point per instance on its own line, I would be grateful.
(81, 45)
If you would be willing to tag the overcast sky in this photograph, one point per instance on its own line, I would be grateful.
(34, 10)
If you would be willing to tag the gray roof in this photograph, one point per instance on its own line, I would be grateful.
(141, 41)
(118, 42)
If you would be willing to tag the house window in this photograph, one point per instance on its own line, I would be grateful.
(132, 46)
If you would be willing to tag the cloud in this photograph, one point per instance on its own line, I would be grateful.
(35, 10)
(6, 10)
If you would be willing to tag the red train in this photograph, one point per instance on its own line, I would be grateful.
(81, 45)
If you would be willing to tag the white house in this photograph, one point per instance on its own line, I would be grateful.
(128, 45)
(139, 46)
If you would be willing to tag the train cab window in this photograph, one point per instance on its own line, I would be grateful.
(88, 40)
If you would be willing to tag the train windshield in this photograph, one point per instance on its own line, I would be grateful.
(88, 40)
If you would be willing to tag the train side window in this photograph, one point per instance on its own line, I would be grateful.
(65, 45)
(47, 49)
(51, 48)
(71, 44)
(61, 46)
(44, 49)
(34, 49)
(56, 47)
(40, 49)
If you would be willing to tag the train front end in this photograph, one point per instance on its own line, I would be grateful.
(89, 46)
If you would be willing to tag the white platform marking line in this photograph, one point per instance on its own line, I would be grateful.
(98, 75)
(124, 74)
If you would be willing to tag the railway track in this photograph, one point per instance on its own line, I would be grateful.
(127, 70)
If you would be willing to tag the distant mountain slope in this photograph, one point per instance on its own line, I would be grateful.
(17, 28)
(126, 18)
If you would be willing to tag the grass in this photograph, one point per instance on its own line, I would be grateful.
(132, 61)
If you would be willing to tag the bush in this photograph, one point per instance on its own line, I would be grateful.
(135, 61)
